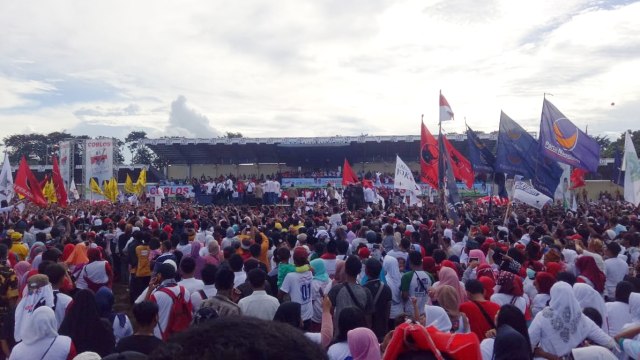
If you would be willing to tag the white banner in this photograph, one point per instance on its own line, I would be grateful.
(65, 162)
(632, 172)
(98, 161)
(6, 180)
(562, 191)
(404, 177)
(527, 194)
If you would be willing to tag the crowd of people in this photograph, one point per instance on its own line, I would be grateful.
(323, 280)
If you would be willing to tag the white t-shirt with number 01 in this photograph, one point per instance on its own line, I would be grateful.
(298, 286)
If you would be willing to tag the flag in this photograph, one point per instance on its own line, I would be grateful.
(111, 190)
(27, 185)
(446, 113)
(617, 176)
(58, 183)
(632, 172)
(6, 181)
(577, 178)
(501, 180)
(73, 190)
(404, 177)
(128, 185)
(448, 181)
(49, 192)
(44, 181)
(527, 194)
(428, 158)
(348, 175)
(562, 141)
(95, 187)
(479, 155)
(462, 169)
(518, 154)
(141, 183)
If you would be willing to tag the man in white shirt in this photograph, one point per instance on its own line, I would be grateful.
(236, 264)
(208, 291)
(258, 304)
(165, 281)
(616, 269)
(618, 314)
(298, 285)
(187, 270)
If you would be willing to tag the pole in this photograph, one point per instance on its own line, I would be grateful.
(492, 178)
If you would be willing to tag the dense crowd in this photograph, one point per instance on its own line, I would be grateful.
(325, 279)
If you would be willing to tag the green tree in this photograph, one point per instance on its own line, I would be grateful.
(618, 144)
(140, 153)
(232, 135)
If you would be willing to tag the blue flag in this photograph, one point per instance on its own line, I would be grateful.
(479, 155)
(562, 141)
(617, 175)
(518, 154)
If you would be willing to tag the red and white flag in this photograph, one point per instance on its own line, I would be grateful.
(446, 113)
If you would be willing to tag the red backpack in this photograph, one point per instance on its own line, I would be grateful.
(181, 312)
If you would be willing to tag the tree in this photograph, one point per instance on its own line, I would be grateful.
(618, 144)
(232, 135)
(140, 153)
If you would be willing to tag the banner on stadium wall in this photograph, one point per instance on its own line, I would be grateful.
(169, 190)
(65, 162)
(98, 160)
(310, 182)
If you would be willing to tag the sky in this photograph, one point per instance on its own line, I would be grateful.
(314, 68)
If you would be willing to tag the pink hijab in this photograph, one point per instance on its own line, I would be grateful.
(22, 269)
(363, 344)
(477, 253)
(448, 276)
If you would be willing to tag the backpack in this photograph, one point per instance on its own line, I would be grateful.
(181, 312)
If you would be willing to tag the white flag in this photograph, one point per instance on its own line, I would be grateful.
(632, 172)
(73, 190)
(404, 177)
(446, 113)
(6, 181)
(527, 194)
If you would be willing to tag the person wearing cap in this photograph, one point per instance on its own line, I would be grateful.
(298, 285)
(19, 248)
(163, 281)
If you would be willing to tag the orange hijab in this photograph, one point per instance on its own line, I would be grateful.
(79, 255)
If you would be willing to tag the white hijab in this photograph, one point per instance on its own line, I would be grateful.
(564, 310)
(39, 294)
(42, 325)
(437, 316)
(589, 297)
(634, 307)
(392, 276)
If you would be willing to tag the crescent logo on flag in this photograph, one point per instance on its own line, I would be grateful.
(514, 135)
(566, 133)
(514, 159)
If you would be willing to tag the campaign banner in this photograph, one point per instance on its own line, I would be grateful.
(98, 160)
(310, 183)
(169, 190)
(527, 194)
(65, 162)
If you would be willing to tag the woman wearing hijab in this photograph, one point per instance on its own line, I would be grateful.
(485, 270)
(589, 297)
(512, 317)
(77, 259)
(38, 293)
(41, 340)
(488, 283)
(36, 249)
(393, 279)
(350, 318)
(476, 258)
(320, 286)
(21, 269)
(213, 257)
(67, 251)
(200, 262)
(448, 276)
(590, 274)
(448, 300)
(430, 267)
(543, 283)
(120, 321)
(85, 327)
(510, 292)
(562, 326)
(363, 344)
(96, 274)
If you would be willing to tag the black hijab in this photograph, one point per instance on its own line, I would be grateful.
(510, 345)
(289, 313)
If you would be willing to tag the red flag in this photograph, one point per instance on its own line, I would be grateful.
(27, 185)
(58, 184)
(428, 158)
(577, 178)
(461, 166)
(348, 175)
(366, 183)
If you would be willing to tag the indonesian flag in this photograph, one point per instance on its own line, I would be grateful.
(27, 185)
(577, 178)
(428, 158)
(348, 175)
(461, 166)
(446, 113)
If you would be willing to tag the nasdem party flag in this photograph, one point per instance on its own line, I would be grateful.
(562, 141)
(479, 155)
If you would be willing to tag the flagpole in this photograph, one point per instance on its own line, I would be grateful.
(440, 158)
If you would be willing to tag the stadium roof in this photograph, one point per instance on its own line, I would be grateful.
(311, 151)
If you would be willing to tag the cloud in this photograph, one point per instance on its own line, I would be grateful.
(186, 121)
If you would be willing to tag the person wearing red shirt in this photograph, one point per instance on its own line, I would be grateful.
(480, 312)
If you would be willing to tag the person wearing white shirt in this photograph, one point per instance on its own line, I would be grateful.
(187, 269)
(615, 269)
(208, 291)
(236, 263)
(618, 314)
(259, 304)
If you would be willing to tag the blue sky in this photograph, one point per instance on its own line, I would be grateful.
(314, 68)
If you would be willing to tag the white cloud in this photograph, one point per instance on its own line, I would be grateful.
(316, 68)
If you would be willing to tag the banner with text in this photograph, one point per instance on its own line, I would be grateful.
(65, 162)
(169, 190)
(98, 160)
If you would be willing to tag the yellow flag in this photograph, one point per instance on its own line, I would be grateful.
(128, 186)
(142, 181)
(113, 189)
(95, 187)
(49, 192)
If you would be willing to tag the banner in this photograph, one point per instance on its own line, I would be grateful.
(65, 162)
(527, 194)
(562, 141)
(169, 190)
(562, 191)
(632, 172)
(98, 160)
(6, 181)
(404, 177)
